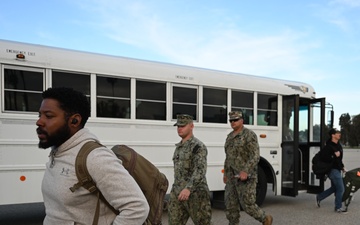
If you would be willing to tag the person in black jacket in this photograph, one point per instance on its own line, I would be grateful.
(333, 152)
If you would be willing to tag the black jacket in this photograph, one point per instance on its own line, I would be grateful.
(328, 154)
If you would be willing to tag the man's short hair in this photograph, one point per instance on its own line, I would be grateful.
(333, 131)
(71, 101)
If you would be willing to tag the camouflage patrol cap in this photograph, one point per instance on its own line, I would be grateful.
(235, 115)
(183, 119)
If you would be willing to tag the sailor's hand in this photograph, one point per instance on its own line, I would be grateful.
(184, 195)
(224, 179)
(337, 154)
(243, 176)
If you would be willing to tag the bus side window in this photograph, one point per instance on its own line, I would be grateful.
(150, 104)
(214, 105)
(112, 97)
(185, 101)
(22, 89)
(244, 102)
(267, 110)
(77, 81)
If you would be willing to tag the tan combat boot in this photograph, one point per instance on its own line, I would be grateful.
(268, 220)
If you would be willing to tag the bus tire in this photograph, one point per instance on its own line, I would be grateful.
(261, 187)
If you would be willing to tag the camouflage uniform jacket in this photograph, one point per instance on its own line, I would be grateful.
(190, 164)
(242, 153)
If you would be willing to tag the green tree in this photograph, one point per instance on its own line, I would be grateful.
(350, 129)
(356, 129)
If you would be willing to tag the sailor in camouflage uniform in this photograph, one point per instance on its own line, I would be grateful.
(189, 196)
(240, 172)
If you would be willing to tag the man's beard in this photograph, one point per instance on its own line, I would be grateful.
(56, 139)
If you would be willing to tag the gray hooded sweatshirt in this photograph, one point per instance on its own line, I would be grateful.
(64, 207)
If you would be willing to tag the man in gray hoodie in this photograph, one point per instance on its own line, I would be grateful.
(62, 116)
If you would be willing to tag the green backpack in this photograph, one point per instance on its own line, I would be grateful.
(152, 182)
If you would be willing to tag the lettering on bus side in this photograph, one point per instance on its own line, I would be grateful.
(13, 51)
(183, 77)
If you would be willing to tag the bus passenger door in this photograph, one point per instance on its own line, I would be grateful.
(316, 140)
(289, 145)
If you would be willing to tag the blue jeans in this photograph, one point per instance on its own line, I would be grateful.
(337, 187)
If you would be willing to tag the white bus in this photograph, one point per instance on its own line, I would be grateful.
(135, 102)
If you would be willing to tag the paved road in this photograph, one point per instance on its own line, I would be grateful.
(26, 214)
(285, 210)
(295, 211)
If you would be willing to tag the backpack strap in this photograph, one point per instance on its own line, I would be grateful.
(85, 180)
(82, 173)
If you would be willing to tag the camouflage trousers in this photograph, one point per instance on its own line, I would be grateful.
(198, 208)
(241, 194)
